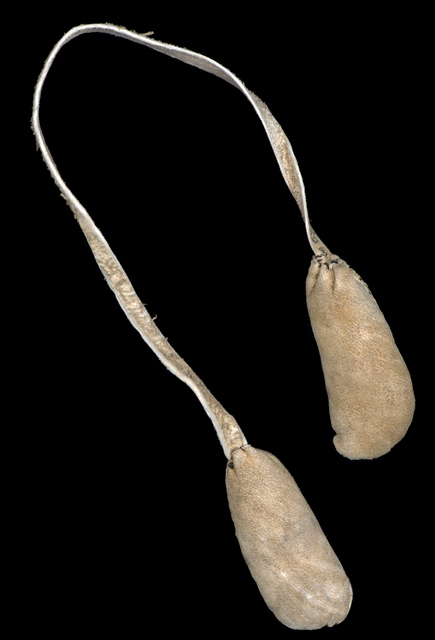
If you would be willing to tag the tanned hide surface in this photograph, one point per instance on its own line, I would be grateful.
(371, 399)
(288, 555)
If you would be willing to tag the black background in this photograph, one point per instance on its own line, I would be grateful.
(122, 521)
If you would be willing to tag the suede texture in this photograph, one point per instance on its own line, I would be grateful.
(288, 555)
(371, 399)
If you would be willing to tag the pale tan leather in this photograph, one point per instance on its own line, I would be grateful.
(288, 555)
(371, 399)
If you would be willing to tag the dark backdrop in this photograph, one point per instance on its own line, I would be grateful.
(122, 518)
